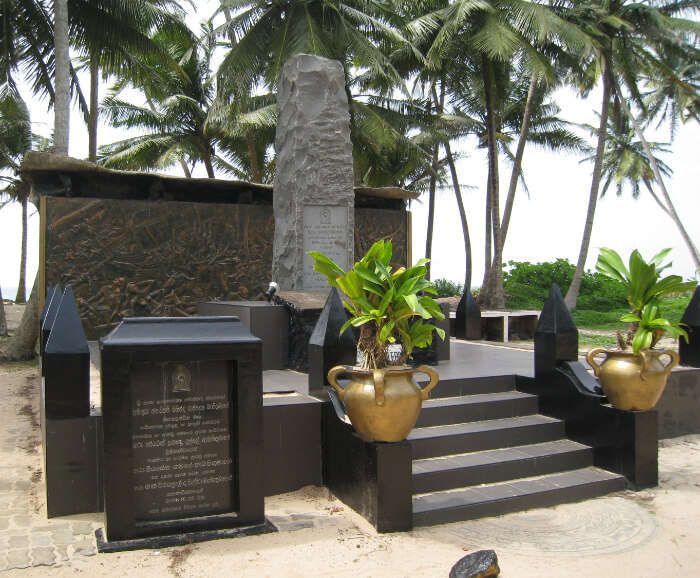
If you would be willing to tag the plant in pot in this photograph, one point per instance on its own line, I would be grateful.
(633, 377)
(391, 308)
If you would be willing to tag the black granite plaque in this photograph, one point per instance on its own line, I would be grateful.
(181, 416)
(182, 422)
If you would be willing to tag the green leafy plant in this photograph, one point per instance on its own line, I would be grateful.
(387, 305)
(645, 288)
(447, 288)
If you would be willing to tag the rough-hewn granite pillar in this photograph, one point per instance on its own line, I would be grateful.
(313, 194)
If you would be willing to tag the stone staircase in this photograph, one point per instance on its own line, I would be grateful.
(488, 452)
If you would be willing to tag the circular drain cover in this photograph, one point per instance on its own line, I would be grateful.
(601, 526)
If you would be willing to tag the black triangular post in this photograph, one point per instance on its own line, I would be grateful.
(556, 335)
(48, 314)
(468, 317)
(690, 352)
(67, 363)
(327, 347)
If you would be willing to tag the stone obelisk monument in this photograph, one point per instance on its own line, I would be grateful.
(313, 189)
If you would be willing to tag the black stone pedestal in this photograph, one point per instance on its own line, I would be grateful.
(183, 431)
(374, 479)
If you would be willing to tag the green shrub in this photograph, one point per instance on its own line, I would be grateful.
(447, 288)
(527, 286)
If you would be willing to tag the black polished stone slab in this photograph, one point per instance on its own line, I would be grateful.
(690, 351)
(374, 478)
(292, 442)
(48, 314)
(108, 547)
(72, 465)
(268, 322)
(183, 434)
(66, 363)
(556, 335)
(468, 317)
(327, 347)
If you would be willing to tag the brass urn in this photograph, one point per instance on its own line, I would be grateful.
(382, 404)
(632, 381)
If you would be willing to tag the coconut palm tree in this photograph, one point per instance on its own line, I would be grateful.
(15, 140)
(629, 36)
(487, 36)
(115, 35)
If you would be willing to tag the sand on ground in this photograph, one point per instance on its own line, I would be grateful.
(650, 533)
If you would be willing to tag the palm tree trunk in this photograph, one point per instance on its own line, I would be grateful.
(438, 103)
(21, 290)
(518, 163)
(462, 216)
(94, 106)
(671, 209)
(22, 345)
(572, 294)
(62, 78)
(487, 233)
(492, 295)
(185, 168)
(431, 210)
(208, 165)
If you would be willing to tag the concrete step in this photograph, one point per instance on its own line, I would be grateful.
(445, 473)
(445, 440)
(465, 408)
(521, 494)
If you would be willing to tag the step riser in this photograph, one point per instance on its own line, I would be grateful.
(432, 416)
(486, 440)
(501, 471)
(471, 386)
(518, 503)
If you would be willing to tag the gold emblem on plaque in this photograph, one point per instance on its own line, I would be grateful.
(181, 379)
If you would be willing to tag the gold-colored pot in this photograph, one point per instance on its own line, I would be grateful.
(382, 404)
(632, 382)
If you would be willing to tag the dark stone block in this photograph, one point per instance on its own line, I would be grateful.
(690, 351)
(468, 317)
(48, 314)
(556, 335)
(679, 406)
(327, 348)
(66, 366)
(479, 564)
(292, 432)
(266, 321)
(108, 547)
(374, 478)
(439, 349)
(183, 435)
(304, 308)
(72, 467)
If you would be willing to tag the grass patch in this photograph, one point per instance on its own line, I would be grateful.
(591, 341)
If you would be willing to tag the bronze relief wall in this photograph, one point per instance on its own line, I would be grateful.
(127, 258)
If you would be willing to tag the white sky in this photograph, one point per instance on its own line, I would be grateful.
(544, 227)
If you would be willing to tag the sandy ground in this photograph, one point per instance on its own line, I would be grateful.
(649, 533)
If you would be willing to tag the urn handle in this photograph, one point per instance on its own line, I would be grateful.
(333, 379)
(674, 359)
(434, 378)
(590, 358)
